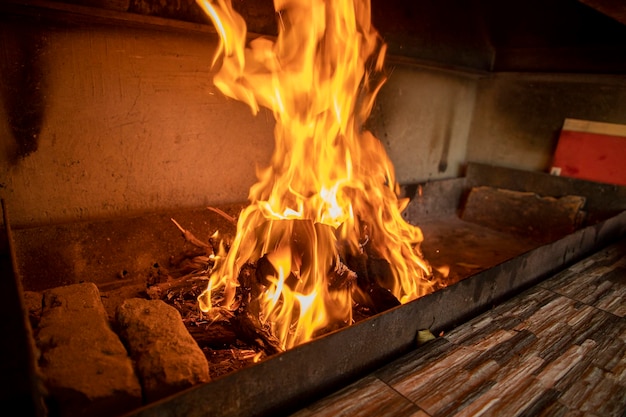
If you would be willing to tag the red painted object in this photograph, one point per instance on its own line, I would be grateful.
(591, 151)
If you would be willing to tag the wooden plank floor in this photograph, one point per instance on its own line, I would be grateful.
(558, 349)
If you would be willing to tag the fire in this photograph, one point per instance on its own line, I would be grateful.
(329, 193)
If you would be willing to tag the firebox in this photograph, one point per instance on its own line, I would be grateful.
(491, 263)
(407, 156)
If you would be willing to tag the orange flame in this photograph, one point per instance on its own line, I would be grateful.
(330, 188)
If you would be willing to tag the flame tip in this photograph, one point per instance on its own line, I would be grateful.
(330, 187)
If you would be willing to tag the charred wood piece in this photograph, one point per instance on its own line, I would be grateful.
(190, 284)
(370, 272)
(341, 276)
(251, 331)
(214, 335)
(189, 237)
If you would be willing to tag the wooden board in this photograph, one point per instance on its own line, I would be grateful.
(591, 151)
(556, 349)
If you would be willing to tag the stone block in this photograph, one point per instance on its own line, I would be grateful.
(166, 356)
(86, 367)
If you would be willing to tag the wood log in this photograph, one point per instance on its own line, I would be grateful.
(340, 276)
(373, 295)
(195, 255)
(251, 331)
(216, 335)
(191, 284)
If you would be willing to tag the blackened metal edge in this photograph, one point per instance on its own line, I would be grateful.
(293, 379)
(22, 388)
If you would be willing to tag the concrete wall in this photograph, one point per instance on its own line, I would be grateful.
(518, 116)
(107, 120)
(120, 121)
(423, 116)
(102, 120)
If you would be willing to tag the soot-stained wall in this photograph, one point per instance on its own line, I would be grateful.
(423, 116)
(107, 113)
(121, 121)
(124, 119)
(518, 116)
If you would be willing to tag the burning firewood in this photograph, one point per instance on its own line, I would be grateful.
(248, 327)
(341, 276)
(369, 275)
(231, 327)
(214, 335)
(243, 324)
(329, 184)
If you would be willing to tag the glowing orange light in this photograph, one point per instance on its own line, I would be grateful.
(330, 188)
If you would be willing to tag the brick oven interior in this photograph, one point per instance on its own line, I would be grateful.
(111, 127)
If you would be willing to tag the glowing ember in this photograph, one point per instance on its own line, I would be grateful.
(330, 192)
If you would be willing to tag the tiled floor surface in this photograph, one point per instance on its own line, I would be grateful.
(558, 349)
